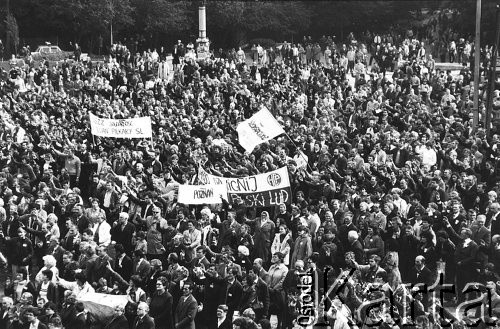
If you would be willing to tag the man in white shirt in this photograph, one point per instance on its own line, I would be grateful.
(102, 232)
(429, 156)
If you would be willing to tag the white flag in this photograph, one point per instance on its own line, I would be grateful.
(261, 127)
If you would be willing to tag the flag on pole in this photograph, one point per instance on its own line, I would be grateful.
(260, 128)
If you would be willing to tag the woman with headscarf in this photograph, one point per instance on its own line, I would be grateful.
(264, 233)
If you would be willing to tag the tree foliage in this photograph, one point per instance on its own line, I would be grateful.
(164, 16)
(231, 23)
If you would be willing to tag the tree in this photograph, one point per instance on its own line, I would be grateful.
(236, 20)
(167, 17)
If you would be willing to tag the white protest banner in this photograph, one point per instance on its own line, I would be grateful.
(102, 306)
(261, 127)
(121, 128)
(263, 190)
(201, 194)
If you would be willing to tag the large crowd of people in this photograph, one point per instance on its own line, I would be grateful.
(391, 183)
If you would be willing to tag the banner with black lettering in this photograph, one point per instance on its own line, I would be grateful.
(201, 194)
(263, 190)
(260, 128)
(121, 128)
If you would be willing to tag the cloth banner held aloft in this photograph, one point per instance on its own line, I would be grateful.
(260, 128)
(263, 190)
(201, 194)
(121, 128)
(102, 306)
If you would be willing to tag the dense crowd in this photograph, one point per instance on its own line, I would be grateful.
(389, 179)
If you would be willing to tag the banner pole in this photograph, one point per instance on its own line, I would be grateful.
(300, 152)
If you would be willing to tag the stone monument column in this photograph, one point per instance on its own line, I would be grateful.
(202, 43)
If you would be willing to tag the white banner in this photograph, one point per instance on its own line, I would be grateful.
(263, 190)
(102, 306)
(201, 194)
(261, 127)
(121, 128)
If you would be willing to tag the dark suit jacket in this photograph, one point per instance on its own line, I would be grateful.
(160, 309)
(52, 292)
(143, 270)
(263, 295)
(479, 234)
(78, 322)
(113, 201)
(11, 230)
(233, 295)
(146, 322)
(186, 312)
(125, 269)
(58, 255)
(404, 155)
(226, 324)
(124, 236)
(467, 255)
(424, 276)
(40, 326)
(3, 320)
(117, 323)
(228, 234)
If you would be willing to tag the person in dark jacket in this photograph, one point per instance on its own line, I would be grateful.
(122, 232)
(262, 292)
(47, 289)
(20, 250)
(119, 321)
(160, 307)
(223, 321)
(143, 320)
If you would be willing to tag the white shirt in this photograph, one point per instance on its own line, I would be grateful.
(43, 290)
(107, 199)
(34, 325)
(220, 321)
(429, 157)
(104, 233)
(76, 289)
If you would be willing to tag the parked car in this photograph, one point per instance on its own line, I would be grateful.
(54, 53)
